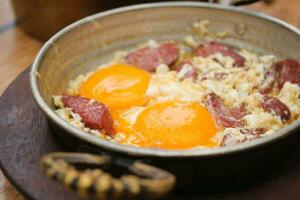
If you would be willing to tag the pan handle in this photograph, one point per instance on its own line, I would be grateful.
(145, 182)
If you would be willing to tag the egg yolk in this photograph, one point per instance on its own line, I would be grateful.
(175, 125)
(118, 86)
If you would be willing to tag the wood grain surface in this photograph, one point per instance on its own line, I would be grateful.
(17, 51)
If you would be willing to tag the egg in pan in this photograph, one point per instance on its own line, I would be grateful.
(167, 124)
(159, 96)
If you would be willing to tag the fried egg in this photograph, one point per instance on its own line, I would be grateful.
(170, 125)
(119, 86)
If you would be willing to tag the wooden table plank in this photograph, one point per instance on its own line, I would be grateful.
(20, 50)
(17, 50)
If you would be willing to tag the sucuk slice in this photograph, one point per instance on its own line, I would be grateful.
(205, 50)
(272, 104)
(246, 135)
(188, 69)
(224, 116)
(287, 70)
(94, 115)
(148, 58)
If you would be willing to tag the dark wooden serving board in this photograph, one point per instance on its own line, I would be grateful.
(25, 136)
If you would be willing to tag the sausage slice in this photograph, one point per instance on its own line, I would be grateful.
(94, 115)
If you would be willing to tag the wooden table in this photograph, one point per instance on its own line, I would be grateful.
(17, 51)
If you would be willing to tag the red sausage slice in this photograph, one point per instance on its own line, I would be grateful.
(272, 104)
(287, 70)
(94, 115)
(148, 58)
(225, 117)
(190, 73)
(205, 50)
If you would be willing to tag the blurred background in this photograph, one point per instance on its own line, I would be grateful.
(26, 24)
